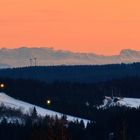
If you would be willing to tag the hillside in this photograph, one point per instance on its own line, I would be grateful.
(25, 108)
(117, 101)
(81, 74)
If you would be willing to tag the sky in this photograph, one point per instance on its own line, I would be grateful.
(99, 26)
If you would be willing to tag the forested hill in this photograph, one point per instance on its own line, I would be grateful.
(82, 74)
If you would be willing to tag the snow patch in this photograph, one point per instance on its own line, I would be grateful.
(117, 101)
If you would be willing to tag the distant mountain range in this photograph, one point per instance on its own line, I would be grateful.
(48, 56)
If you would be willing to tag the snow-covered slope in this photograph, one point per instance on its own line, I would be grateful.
(128, 102)
(25, 108)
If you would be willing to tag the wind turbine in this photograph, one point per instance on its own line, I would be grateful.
(35, 59)
(30, 62)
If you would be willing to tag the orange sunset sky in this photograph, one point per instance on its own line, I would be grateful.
(100, 26)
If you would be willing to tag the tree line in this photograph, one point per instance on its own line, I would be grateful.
(115, 123)
(81, 74)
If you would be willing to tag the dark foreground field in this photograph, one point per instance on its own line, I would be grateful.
(78, 96)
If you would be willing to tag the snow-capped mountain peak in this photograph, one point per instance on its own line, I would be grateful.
(49, 56)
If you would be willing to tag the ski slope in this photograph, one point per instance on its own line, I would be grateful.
(25, 108)
(128, 102)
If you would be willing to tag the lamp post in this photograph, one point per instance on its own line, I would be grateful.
(2, 85)
(48, 102)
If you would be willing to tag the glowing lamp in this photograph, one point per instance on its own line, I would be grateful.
(2, 85)
(48, 102)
